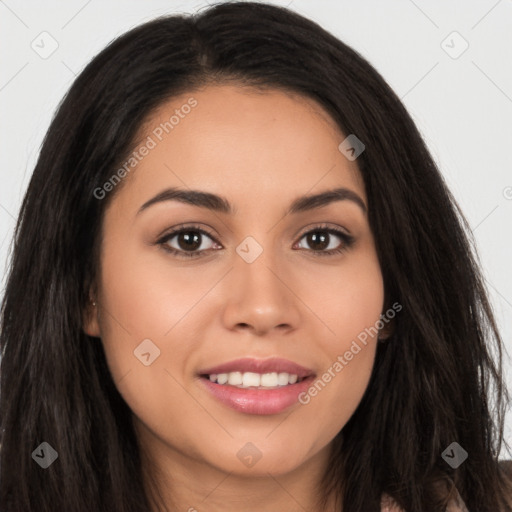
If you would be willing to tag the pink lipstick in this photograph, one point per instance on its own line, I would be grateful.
(257, 386)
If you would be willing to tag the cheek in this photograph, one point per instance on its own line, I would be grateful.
(346, 299)
(146, 297)
(141, 300)
(349, 302)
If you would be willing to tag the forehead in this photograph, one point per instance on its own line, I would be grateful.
(241, 142)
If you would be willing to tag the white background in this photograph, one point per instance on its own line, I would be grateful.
(462, 106)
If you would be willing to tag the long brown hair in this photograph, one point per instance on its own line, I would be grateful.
(435, 381)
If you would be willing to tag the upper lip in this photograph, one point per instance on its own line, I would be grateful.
(271, 365)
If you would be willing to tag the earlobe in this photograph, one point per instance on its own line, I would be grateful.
(90, 324)
(387, 331)
(388, 320)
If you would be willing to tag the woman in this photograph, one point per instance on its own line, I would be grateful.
(239, 281)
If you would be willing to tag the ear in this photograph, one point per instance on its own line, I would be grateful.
(387, 330)
(389, 324)
(388, 317)
(90, 324)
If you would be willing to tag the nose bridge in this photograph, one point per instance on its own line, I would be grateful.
(257, 264)
(259, 297)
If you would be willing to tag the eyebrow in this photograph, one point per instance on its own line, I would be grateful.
(222, 205)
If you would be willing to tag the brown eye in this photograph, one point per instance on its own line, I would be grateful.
(320, 239)
(187, 242)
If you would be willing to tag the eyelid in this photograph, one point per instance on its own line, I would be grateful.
(305, 230)
(183, 227)
(317, 226)
(346, 238)
(180, 228)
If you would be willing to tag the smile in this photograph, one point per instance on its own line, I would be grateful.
(257, 386)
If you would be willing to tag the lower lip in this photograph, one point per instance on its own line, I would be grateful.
(258, 401)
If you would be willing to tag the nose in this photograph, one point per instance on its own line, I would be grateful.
(260, 296)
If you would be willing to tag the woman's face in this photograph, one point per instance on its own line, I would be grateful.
(263, 282)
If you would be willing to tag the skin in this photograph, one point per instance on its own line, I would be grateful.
(254, 149)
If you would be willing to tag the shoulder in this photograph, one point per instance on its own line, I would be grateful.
(506, 465)
(455, 505)
(387, 504)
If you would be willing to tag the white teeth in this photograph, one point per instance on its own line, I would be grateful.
(222, 378)
(251, 379)
(234, 378)
(269, 380)
(284, 378)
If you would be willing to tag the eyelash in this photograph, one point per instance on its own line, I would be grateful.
(347, 241)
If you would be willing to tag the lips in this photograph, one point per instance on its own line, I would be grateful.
(259, 401)
(262, 366)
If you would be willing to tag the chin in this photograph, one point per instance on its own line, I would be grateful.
(248, 460)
